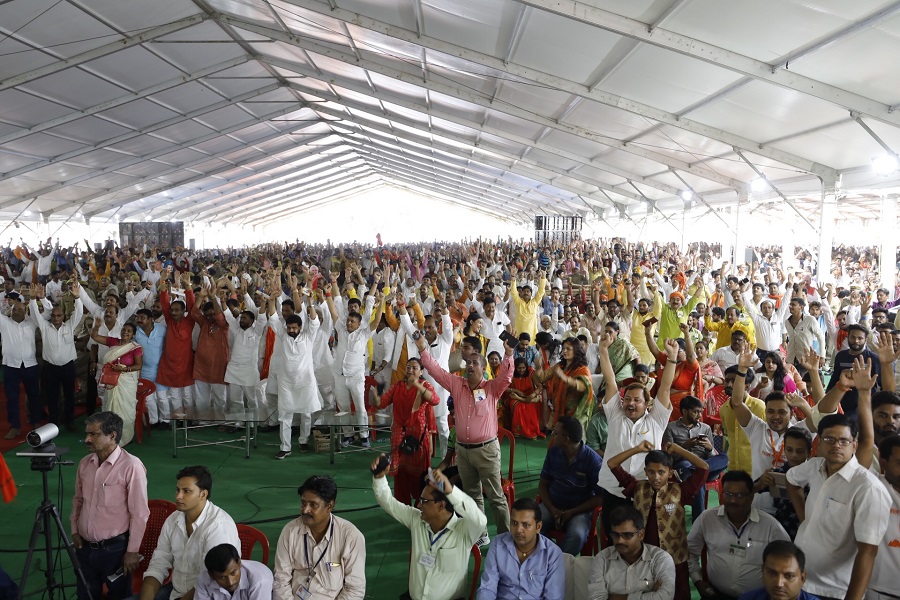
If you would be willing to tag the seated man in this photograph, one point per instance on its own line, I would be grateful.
(631, 568)
(522, 563)
(568, 485)
(689, 433)
(227, 577)
(784, 573)
(441, 540)
(734, 535)
(320, 556)
(188, 534)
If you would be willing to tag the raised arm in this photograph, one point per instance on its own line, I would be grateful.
(668, 376)
(864, 379)
(609, 376)
(746, 361)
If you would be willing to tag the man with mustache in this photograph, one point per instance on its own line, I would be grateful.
(320, 556)
(109, 509)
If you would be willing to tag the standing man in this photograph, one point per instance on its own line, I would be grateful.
(477, 446)
(845, 516)
(353, 335)
(211, 358)
(19, 366)
(320, 556)
(443, 529)
(152, 338)
(857, 336)
(109, 509)
(227, 577)
(176, 367)
(803, 333)
(526, 305)
(58, 350)
(523, 563)
(631, 568)
(296, 377)
(246, 333)
(196, 526)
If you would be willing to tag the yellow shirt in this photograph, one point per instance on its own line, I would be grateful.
(526, 312)
(740, 455)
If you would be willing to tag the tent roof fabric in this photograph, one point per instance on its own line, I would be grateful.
(244, 111)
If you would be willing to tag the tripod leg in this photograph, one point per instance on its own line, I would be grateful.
(32, 544)
(70, 548)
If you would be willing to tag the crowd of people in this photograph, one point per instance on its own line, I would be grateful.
(655, 374)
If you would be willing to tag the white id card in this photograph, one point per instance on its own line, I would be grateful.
(426, 560)
(303, 592)
(479, 395)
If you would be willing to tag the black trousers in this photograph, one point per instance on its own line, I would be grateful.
(53, 378)
(610, 503)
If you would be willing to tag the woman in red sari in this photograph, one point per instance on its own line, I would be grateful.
(413, 399)
(569, 384)
(523, 400)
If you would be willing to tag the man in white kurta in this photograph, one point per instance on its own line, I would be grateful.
(297, 390)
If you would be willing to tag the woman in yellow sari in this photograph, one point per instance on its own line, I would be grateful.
(568, 384)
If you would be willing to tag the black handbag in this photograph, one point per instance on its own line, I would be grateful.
(410, 443)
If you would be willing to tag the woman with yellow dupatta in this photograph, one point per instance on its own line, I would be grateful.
(568, 384)
(124, 357)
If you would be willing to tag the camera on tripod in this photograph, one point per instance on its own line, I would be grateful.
(43, 453)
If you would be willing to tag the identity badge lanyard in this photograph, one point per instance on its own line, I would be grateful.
(312, 569)
(777, 453)
(739, 549)
(427, 560)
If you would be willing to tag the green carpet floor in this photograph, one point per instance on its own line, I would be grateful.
(258, 491)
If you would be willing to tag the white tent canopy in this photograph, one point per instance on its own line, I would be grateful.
(252, 111)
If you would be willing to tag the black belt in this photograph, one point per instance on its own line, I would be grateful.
(102, 544)
(478, 445)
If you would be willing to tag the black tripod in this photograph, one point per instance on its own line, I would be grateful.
(44, 517)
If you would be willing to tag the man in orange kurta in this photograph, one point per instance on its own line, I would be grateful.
(211, 359)
(176, 366)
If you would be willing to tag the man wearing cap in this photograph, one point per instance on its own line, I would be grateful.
(676, 312)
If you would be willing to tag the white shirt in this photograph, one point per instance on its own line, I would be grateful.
(491, 329)
(151, 276)
(58, 344)
(184, 554)
(383, 346)
(728, 571)
(801, 337)
(887, 562)
(350, 347)
(296, 365)
(54, 290)
(850, 506)
(625, 434)
(243, 360)
(768, 331)
(767, 449)
(726, 357)
(18, 342)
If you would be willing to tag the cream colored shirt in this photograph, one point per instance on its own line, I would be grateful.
(341, 572)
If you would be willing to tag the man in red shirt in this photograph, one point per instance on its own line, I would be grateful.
(176, 366)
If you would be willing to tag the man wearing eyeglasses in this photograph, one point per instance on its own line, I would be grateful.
(631, 568)
(444, 526)
(734, 537)
(845, 516)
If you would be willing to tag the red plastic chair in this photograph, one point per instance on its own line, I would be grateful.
(144, 389)
(507, 483)
(159, 512)
(249, 537)
(592, 544)
(476, 553)
(714, 485)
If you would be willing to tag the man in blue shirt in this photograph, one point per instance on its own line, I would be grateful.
(784, 573)
(151, 336)
(522, 564)
(568, 485)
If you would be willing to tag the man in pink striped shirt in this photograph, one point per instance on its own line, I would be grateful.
(109, 510)
(477, 447)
